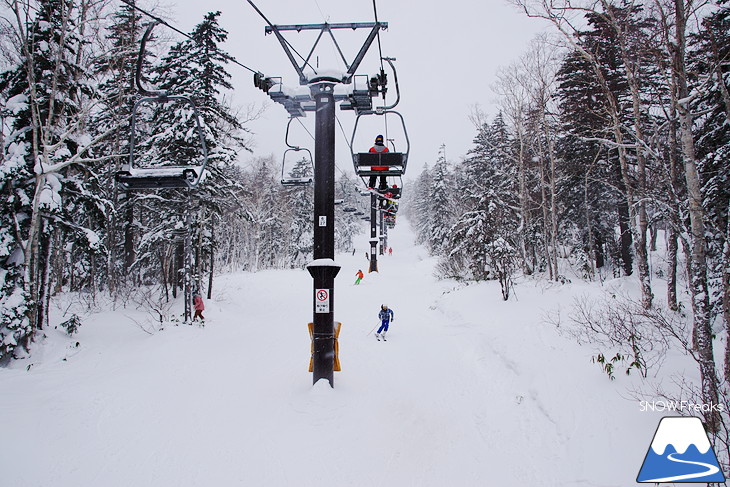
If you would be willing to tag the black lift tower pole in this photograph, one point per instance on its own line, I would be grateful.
(373, 233)
(322, 101)
(323, 269)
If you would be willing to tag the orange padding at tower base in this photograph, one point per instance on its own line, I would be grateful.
(336, 367)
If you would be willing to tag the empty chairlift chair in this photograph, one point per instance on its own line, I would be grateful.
(132, 177)
(297, 166)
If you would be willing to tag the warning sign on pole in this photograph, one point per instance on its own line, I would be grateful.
(321, 300)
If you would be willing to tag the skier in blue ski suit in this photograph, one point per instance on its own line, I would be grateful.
(385, 316)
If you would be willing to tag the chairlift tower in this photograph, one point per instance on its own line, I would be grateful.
(322, 98)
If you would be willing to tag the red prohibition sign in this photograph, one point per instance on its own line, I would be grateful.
(322, 295)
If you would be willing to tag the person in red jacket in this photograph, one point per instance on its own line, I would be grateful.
(359, 276)
(199, 307)
(378, 147)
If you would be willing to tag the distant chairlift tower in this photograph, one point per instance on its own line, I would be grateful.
(321, 99)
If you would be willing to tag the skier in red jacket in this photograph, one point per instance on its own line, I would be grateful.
(199, 307)
(378, 147)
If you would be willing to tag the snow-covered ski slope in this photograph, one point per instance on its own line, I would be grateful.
(467, 391)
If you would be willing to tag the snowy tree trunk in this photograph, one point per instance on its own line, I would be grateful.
(721, 84)
(589, 226)
(32, 255)
(640, 240)
(672, 247)
(726, 295)
(642, 260)
(129, 235)
(554, 205)
(698, 256)
(212, 258)
(524, 219)
(45, 264)
(545, 222)
(625, 238)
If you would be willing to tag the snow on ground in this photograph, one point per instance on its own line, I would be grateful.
(468, 390)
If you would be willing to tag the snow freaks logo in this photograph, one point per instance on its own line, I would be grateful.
(680, 452)
(681, 406)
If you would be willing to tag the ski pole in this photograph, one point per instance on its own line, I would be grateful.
(376, 325)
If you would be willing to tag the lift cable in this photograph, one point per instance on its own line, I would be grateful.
(305, 128)
(281, 37)
(380, 48)
(382, 68)
(320, 11)
(172, 27)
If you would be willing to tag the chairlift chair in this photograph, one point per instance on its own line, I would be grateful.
(131, 177)
(287, 178)
(382, 164)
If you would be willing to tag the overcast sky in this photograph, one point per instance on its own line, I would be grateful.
(447, 55)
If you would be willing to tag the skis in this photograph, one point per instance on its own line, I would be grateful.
(378, 337)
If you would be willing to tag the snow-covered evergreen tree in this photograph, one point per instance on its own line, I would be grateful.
(43, 96)
(489, 183)
(441, 205)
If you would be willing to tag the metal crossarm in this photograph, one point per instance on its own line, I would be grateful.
(326, 27)
(347, 25)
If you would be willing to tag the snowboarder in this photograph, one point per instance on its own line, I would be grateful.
(378, 147)
(199, 307)
(359, 276)
(385, 316)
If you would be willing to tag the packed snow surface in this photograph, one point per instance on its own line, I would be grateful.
(468, 390)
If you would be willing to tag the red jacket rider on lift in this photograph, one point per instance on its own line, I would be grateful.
(379, 147)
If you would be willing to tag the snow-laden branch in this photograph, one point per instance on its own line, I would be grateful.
(76, 158)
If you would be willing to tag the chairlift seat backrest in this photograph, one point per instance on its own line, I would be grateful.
(166, 177)
(380, 163)
(297, 181)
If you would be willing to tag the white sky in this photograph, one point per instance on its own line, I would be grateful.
(447, 56)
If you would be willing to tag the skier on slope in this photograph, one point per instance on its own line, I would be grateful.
(199, 307)
(359, 276)
(385, 316)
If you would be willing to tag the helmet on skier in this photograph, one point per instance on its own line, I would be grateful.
(384, 306)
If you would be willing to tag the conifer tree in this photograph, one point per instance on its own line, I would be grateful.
(44, 93)
(441, 205)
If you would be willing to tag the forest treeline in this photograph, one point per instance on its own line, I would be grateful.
(67, 91)
(612, 129)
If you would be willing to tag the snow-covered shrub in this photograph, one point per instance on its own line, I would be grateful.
(502, 257)
(15, 327)
(72, 324)
(624, 333)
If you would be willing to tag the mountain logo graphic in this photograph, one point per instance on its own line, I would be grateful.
(680, 452)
